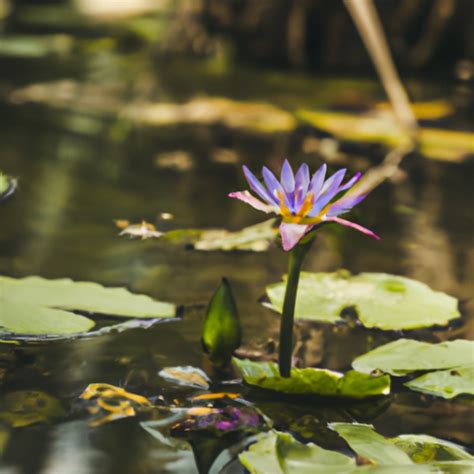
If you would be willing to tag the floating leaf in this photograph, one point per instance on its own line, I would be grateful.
(221, 332)
(370, 445)
(34, 305)
(252, 116)
(144, 230)
(280, 453)
(311, 381)
(445, 383)
(382, 127)
(406, 355)
(423, 448)
(381, 300)
(432, 454)
(112, 403)
(256, 238)
(187, 375)
(28, 407)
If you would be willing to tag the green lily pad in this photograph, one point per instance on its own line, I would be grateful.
(311, 381)
(404, 450)
(370, 445)
(381, 300)
(445, 383)
(406, 355)
(28, 407)
(280, 453)
(37, 306)
(424, 448)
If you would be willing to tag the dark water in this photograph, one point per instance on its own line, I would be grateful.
(76, 177)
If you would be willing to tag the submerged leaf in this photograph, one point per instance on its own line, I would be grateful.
(445, 383)
(28, 407)
(187, 375)
(221, 332)
(311, 381)
(406, 355)
(381, 300)
(36, 306)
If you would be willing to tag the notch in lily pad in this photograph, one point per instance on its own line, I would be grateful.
(221, 332)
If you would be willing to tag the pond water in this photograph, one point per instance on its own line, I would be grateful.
(80, 171)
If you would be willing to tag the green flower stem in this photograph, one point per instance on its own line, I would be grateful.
(296, 257)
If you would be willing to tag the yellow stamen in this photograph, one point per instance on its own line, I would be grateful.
(306, 206)
(285, 212)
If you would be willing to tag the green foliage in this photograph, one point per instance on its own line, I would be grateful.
(381, 300)
(445, 383)
(370, 445)
(406, 355)
(37, 306)
(221, 332)
(280, 453)
(311, 381)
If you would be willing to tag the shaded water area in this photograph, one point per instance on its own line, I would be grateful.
(80, 167)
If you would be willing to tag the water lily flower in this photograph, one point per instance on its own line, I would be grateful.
(303, 201)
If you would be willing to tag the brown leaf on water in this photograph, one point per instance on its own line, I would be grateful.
(112, 403)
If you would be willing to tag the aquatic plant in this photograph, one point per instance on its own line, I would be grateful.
(304, 203)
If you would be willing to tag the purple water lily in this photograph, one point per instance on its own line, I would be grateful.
(302, 200)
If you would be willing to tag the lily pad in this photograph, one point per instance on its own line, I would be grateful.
(381, 300)
(280, 453)
(382, 127)
(37, 306)
(28, 407)
(404, 450)
(186, 375)
(445, 383)
(257, 238)
(406, 355)
(311, 381)
(370, 445)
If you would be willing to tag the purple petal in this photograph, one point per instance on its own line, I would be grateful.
(330, 189)
(256, 186)
(354, 226)
(301, 184)
(317, 180)
(302, 178)
(246, 197)
(351, 182)
(345, 204)
(291, 234)
(287, 177)
(272, 183)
